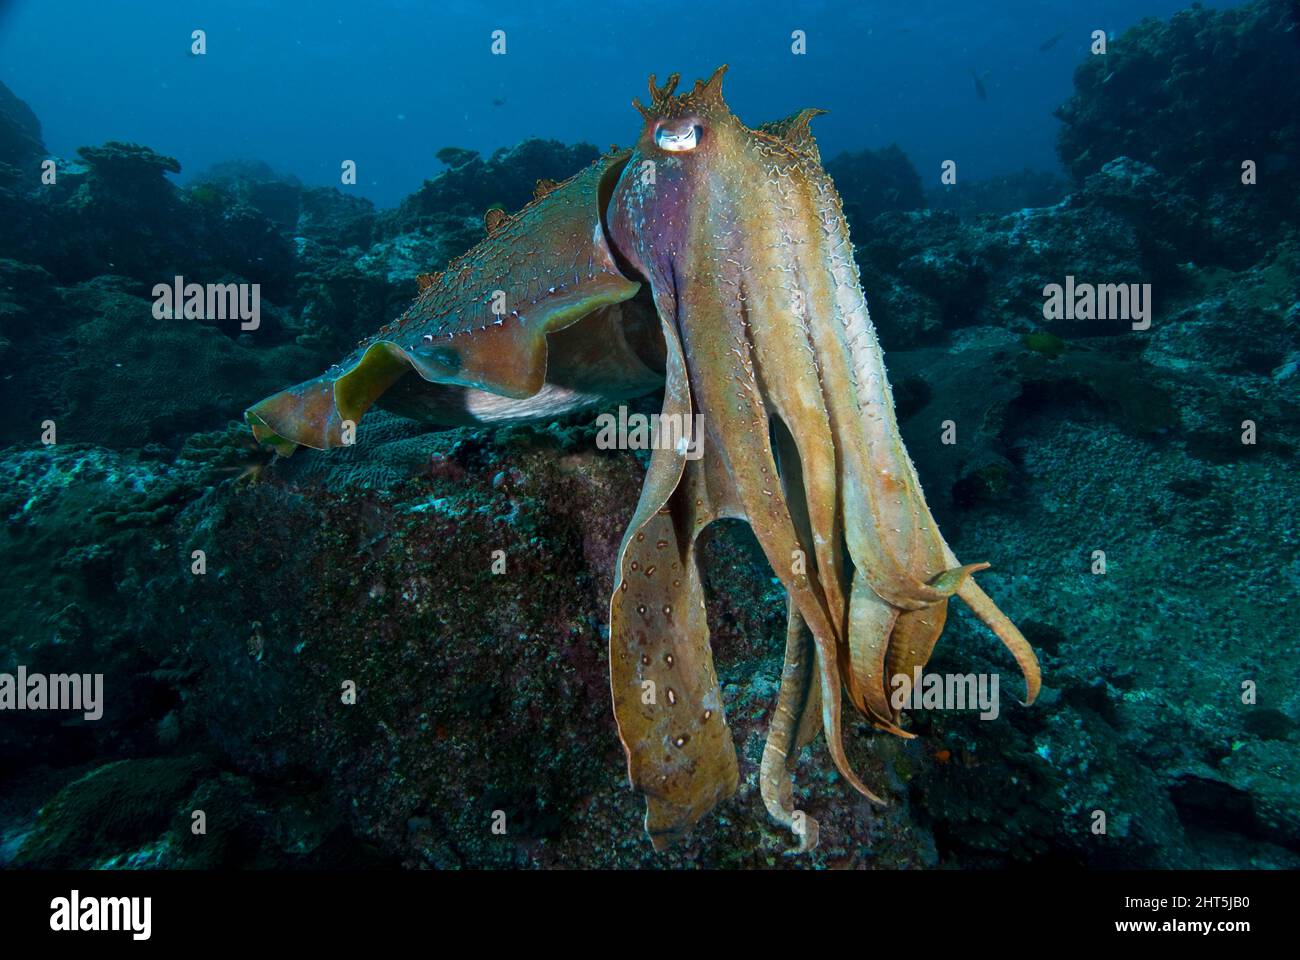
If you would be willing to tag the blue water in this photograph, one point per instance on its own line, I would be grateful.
(387, 83)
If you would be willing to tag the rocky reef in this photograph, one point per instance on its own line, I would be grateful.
(318, 654)
(872, 182)
(1197, 98)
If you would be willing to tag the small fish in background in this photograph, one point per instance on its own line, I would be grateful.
(498, 101)
(1050, 42)
(979, 84)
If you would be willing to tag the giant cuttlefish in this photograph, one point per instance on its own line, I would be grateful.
(713, 261)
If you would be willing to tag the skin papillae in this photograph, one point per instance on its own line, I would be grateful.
(711, 261)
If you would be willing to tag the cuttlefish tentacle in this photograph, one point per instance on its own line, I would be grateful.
(789, 732)
(769, 296)
(796, 719)
(667, 699)
(890, 534)
(983, 607)
(809, 719)
(884, 651)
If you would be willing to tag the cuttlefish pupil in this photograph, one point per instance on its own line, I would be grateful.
(678, 139)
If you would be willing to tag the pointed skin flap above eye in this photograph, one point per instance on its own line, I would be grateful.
(482, 322)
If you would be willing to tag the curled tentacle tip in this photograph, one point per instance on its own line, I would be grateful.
(1033, 683)
(1032, 689)
(862, 788)
(807, 838)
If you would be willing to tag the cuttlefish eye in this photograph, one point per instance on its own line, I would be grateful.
(678, 138)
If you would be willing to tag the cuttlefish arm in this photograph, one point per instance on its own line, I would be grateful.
(478, 334)
(667, 699)
(796, 719)
(795, 723)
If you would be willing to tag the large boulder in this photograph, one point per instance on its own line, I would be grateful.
(1195, 97)
(20, 133)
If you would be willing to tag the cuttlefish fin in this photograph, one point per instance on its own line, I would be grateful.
(481, 323)
(667, 699)
(796, 721)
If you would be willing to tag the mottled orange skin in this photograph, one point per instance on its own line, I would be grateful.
(738, 237)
